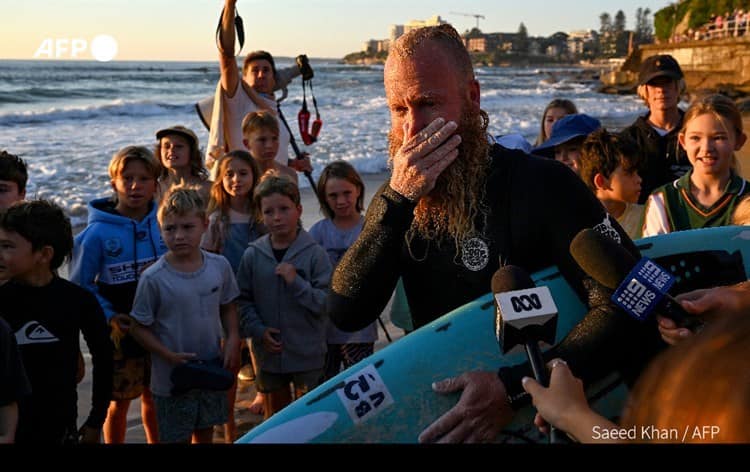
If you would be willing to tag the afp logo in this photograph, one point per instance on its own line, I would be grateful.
(526, 303)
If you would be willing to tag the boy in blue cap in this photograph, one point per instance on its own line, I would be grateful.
(568, 134)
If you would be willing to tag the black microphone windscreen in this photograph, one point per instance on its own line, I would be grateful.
(509, 278)
(602, 257)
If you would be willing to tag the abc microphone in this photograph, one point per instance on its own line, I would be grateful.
(641, 287)
(525, 315)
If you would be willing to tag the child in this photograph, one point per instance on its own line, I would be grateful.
(232, 220)
(181, 305)
(283, 279)
(181, 161)
(122, 239)
(554, 110)
(609, 167)
(13, 177)
(568, 133)
(706, 195)
(232, 225)
(48, 314)
(260, 134)
(343, 194)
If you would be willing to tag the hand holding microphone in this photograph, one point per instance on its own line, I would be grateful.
(525, 315)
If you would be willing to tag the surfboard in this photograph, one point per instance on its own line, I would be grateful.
(387, 398)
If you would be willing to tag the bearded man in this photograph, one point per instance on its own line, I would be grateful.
(455, 208)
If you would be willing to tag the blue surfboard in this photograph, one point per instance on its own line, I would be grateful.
(387, 398)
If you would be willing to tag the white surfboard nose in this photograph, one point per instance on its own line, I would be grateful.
(299, 430)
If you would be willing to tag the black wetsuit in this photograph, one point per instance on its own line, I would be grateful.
(662, 158)
(48, 322)
(536, 207)
(14, 385)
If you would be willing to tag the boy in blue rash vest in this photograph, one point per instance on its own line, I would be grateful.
(120, 241)
(48, 315)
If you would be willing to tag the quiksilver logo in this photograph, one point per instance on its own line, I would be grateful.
(34, 333)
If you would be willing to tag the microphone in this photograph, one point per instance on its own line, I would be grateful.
(525, 315)
(641, 287)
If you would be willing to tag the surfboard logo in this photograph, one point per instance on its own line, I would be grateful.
(364, 394)
(475, 254)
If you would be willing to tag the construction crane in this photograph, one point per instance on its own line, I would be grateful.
(475, 15)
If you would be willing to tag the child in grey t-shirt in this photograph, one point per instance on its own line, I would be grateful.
(181, 304)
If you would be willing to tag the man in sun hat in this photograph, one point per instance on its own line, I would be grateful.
(568, 133)
(661, 83)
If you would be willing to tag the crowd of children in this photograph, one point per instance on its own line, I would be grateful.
(174, 270)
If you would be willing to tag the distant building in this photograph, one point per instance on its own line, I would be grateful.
(376, 45)
(396, 31)
(370, 47)
(581, 41)
(434, 20)
(476, 41)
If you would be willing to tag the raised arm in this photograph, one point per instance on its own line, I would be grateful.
(230, 74)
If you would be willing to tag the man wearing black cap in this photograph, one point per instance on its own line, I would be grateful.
(660, 85)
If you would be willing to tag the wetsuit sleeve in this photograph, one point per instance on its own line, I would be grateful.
(365, 277)
(311, 294)
(607, 339)
(85, 266)
(96, 334)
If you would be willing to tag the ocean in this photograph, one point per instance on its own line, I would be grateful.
(67, 118)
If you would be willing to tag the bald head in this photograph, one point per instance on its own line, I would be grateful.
(444, 37)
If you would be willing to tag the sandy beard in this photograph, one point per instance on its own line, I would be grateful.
(452, 207)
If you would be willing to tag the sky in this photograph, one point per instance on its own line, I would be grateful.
(183, 30)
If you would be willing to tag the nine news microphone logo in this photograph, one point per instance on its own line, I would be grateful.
(103, 48)
(642, 290)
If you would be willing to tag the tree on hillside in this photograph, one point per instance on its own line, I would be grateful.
(619, 26)
(607, 39)
(605, 22)
(643, 29)
(522, 40)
